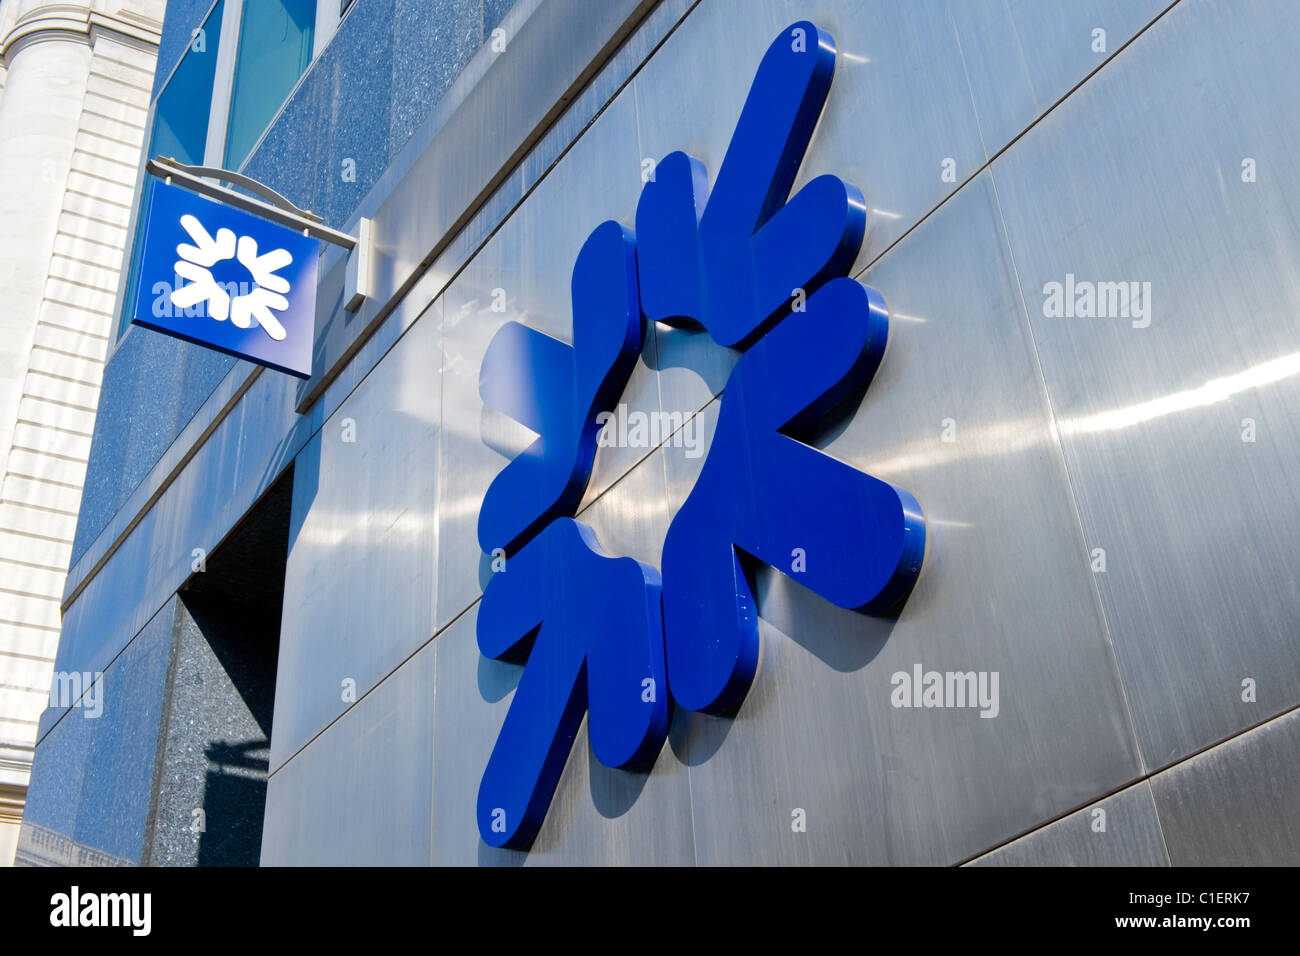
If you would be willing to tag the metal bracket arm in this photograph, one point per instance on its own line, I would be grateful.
(280, 210)
(277, 208)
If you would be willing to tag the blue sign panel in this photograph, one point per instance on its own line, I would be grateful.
(766, 274)
(224, 278)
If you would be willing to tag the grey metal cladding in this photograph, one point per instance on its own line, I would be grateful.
(1235, 804)
(1119, 830)
(1178, 425)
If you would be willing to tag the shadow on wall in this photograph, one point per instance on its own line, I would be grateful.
(233, 791)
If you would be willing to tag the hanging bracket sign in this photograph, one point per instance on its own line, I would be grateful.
(237, 275)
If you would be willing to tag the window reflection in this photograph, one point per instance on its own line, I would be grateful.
(275, 44)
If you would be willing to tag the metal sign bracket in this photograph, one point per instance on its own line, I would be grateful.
(271, 205)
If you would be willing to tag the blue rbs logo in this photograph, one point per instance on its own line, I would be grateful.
(224, 278)
(765, 274)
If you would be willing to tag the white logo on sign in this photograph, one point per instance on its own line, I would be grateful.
(243, 310)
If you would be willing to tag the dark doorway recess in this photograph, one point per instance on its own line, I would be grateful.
(210, 783)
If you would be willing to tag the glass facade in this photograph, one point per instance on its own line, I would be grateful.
(181, 117)
(183, 109)
(275, 46)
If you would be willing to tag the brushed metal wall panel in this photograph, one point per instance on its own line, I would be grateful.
(550, 46)
(631, 518)
(360, 581)
(475, 443)
(1137, 177)
(1121, 830)
(1235, 804)
(424, 296)
(1021, 57)
(471, 698)
(615, 74)
(898, 107)
(528, 267)
(899, 103)
(1005, 588)
(361, 793)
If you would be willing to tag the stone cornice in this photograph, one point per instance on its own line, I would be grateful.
(76, 24)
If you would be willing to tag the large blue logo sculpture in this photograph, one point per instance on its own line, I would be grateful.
(764, 273)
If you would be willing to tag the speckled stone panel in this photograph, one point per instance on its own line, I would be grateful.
(153, 385)
(92, 776)
(211, 784)
(382, 73)
(218, 741)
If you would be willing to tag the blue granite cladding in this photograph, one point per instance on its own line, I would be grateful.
(379, 77)
(99, 492)
(329, 145)
(422, 75)
(152, 387)
(92, 779)
(494, 11)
